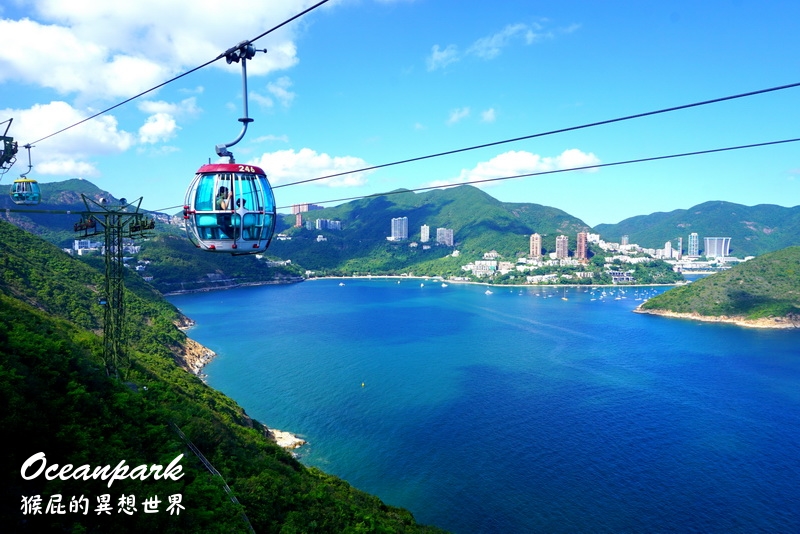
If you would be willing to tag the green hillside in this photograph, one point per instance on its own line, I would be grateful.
(753, 230)
(480, 223)
(767, 286)
(58, 400)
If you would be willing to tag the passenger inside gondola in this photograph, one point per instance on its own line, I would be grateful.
(223, 201)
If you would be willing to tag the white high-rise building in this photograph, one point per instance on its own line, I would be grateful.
(425, 233)
(717, 247)
(694, 245)
(399, 229)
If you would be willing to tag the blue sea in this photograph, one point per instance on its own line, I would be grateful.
(523, 410)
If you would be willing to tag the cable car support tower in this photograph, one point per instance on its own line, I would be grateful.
(117, 223)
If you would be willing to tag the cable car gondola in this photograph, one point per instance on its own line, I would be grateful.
(25, 191)
(230, 207)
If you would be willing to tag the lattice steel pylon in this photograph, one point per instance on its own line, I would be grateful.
(118, 222)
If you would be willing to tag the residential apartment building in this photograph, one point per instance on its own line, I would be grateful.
(562, 247)
(581, 247)
(399, 229)
(536, 246)
(444, 236)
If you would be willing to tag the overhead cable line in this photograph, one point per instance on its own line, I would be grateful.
(207, 63)
(554, 171)
(551, 132)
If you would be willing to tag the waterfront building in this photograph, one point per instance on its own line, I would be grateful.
(399, 229)
(298, 220)
(624, 240)
(562, 247)
(424, 233)
(717, 247)
(444, 236)
(536, 246)
(694, 245)
(580, 248)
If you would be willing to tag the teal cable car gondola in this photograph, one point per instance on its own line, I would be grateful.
(25, 191)
(230, 208)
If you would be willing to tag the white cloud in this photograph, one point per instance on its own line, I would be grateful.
(441, 58)
(289, 166)
(68, 153)
(280, 90)
(184, 108)
(458, 114)
(109, 50)
(489, 47)
(514, 163)
(158, 128)
(488, 115)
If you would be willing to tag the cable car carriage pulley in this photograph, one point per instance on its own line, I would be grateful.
(230, 207)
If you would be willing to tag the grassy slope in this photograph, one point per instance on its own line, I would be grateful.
(767, 286)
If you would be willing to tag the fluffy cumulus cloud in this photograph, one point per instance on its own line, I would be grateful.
(286, 166)
(161, 125)
(515, 163)
(109, 50)
(158, 128)
(70, 152)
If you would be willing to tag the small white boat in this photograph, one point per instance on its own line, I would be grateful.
(487, 292)
(444, 285)
(341, 283)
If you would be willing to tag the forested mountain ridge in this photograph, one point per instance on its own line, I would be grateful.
(58, 401)
(766, 287)
(753, 230)
(480, 223)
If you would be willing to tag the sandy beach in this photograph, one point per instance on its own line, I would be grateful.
(767, 322)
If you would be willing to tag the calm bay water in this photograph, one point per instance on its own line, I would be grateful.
(519, 411)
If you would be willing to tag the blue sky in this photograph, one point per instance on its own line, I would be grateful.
(365, 82)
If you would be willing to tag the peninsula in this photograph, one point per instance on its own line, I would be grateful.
(763, 292)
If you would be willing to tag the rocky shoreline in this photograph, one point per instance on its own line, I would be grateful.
(766, 322)
(193, 357)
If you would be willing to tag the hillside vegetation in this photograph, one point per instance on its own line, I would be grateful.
(753, 230)
(58, 400)
(764, 287)
(480, 223)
